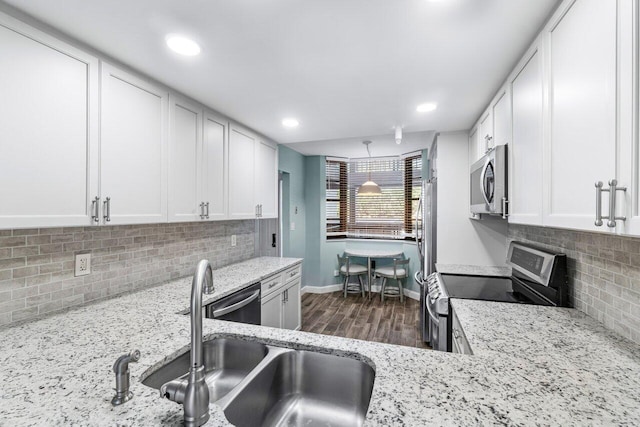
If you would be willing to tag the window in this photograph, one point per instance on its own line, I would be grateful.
(388, 215)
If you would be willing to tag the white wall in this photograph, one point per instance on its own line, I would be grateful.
(462, 240)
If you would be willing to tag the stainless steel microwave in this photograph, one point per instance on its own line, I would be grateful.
(489, 183)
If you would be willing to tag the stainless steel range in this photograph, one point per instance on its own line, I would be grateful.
(538, 277)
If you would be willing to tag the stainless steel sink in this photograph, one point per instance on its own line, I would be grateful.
(303, 388)
(227, 362)
(265, 385)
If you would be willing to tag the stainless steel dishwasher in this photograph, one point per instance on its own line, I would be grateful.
(242, 306)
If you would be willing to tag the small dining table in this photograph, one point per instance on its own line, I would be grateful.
(372, 253)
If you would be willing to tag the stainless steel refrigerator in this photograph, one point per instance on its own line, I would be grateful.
(426, 234)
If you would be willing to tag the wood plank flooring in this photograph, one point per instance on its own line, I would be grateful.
(363, 319)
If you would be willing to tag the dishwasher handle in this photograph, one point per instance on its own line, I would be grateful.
(237, 306)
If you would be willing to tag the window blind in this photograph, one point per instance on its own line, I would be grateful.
(388, 215)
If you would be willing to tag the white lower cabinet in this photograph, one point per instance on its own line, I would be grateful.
(281, 300)
(272, 310)
(291, 316)
(48, 130)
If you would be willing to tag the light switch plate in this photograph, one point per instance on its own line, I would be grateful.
(293, 226)
(83, 264)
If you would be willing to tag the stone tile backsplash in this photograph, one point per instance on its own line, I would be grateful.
(604, 273)
(37, 265)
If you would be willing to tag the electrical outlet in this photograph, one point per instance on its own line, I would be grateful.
(233, 240)
(336, 273)
(83, 264)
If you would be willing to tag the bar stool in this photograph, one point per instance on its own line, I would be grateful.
(398, 271)
(348, 269)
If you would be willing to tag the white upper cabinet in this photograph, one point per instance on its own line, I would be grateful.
(133, 149)
(581, 145)
(185, 146)
(214, 161)
(501, 112)
(266, 179)
(241, 174)
(48, 130)
(253, 175)
(485, 132)
(629, 116)
(525, 149)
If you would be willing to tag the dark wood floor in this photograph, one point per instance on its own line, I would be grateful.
(364, 319)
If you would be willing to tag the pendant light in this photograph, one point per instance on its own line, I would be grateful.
(369, 187)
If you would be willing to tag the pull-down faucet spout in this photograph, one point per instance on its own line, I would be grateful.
(193, 394)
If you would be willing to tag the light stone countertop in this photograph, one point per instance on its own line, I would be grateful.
(57, 370)
(478, 270)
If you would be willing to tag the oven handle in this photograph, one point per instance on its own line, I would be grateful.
(482, 179)
(418, 278)
(236, 306)
(433, 317)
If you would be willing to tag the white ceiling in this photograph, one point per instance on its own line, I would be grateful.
(343, 68)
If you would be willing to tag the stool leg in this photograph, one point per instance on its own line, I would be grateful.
(361, 284)
(384, 282)
(344, 285)
(401, 290)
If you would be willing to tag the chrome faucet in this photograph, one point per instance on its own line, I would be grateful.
(193, 392)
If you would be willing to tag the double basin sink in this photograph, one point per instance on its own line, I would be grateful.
(263, 385)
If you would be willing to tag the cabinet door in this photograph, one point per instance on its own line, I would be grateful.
(271, 311)
(486, 133)
(501, 113)
(241, 174)
(267, 179)
(525, 151)
(291, 309)
(133, 148)
(214, 172)
(185, 146)
(48, 130)
(473, 145)
(582, 112)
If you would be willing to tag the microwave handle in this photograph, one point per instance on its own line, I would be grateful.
(482, 177)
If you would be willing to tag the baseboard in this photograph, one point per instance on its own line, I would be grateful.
(415, 295)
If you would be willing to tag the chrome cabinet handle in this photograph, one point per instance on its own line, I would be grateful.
(271, 285)
(613, 189)
(260, 210)
(95, 208)
(106, 208)
(293, 273)
(257, 214)
(202, 210)
(206, 205)
(505, 202)
(599, 191)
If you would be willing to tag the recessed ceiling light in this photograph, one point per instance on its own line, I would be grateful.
(290, 123)
(182, 45)
(425, 108)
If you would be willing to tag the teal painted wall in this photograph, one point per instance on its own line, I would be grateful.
(292, 164)
(315, 200)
